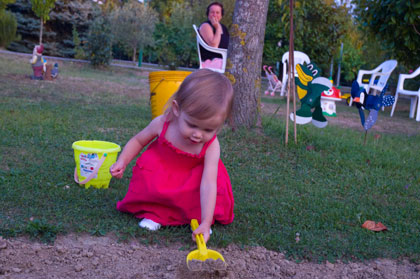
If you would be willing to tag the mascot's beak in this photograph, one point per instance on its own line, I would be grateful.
(303, 77)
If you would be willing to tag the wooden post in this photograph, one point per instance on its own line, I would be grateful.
(291, 77)
(288, 102)
(47, 73)
(293, 91)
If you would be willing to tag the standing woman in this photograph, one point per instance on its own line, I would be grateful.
(213, 32)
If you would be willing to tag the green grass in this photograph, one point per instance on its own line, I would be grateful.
(324, 194)
(117, 75)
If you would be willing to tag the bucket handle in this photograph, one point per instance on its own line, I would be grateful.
(90, 176)
(152, 92)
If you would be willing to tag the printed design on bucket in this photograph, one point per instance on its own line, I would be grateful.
(88, 163)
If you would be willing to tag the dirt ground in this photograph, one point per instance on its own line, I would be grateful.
(86, 256)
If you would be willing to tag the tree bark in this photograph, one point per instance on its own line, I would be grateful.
(40, 32)
(134, 54)
(244, 60)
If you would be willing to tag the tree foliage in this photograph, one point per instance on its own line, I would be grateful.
(273, 34)
(79, 52)
(99, 42)
(8, 24)
(27, 26)
(110, 5)
(42, 9)
(396, 24)
(66, 16)
(8, 27)
(353, 51)
(165, 8)
(4, 3)
(175, 38)
(175, 42)
(319, 27)
(57, 31)
(133, 26)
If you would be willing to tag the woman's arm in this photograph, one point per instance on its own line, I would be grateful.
(135, 145)
(208, 189)
(212, 39)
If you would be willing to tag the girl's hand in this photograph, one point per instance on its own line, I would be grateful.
(117, 170)
(203, 229)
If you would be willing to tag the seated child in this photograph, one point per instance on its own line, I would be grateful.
(180, 175)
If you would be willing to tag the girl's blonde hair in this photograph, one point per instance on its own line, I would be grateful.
(203, 94)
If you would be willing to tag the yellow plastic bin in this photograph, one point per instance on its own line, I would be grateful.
(162, 86)
(93, 159)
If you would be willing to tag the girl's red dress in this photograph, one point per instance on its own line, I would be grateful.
(165, 186)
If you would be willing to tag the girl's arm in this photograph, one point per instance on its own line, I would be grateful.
(208, 189)
(135, 145)
(212, 39)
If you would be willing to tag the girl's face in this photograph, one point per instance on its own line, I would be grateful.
(199, 131)
(215, 11)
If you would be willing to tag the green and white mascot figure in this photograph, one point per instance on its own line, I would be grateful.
(309, 86)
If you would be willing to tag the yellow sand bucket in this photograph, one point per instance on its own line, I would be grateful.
(162, 86)
(93, 159)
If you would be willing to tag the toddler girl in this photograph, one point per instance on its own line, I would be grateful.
(180, 175)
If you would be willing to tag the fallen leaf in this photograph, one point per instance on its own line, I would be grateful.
(371, 225)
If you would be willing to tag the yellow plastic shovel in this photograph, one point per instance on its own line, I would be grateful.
(210, 258)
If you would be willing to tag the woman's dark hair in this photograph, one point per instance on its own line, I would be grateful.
(217, 4)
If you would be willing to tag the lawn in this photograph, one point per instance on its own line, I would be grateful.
(322, 188)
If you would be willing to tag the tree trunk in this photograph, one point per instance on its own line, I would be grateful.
(134, 54)
(40, 32)
(244, 60)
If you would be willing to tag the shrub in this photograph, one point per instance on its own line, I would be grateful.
(99, 42)
(8, 27)
(175, 39)
(133, 26)
(79, 52)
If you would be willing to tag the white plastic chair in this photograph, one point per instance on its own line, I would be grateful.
(220, 51)
(379, 78)
(299, 58)
(414, 95)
